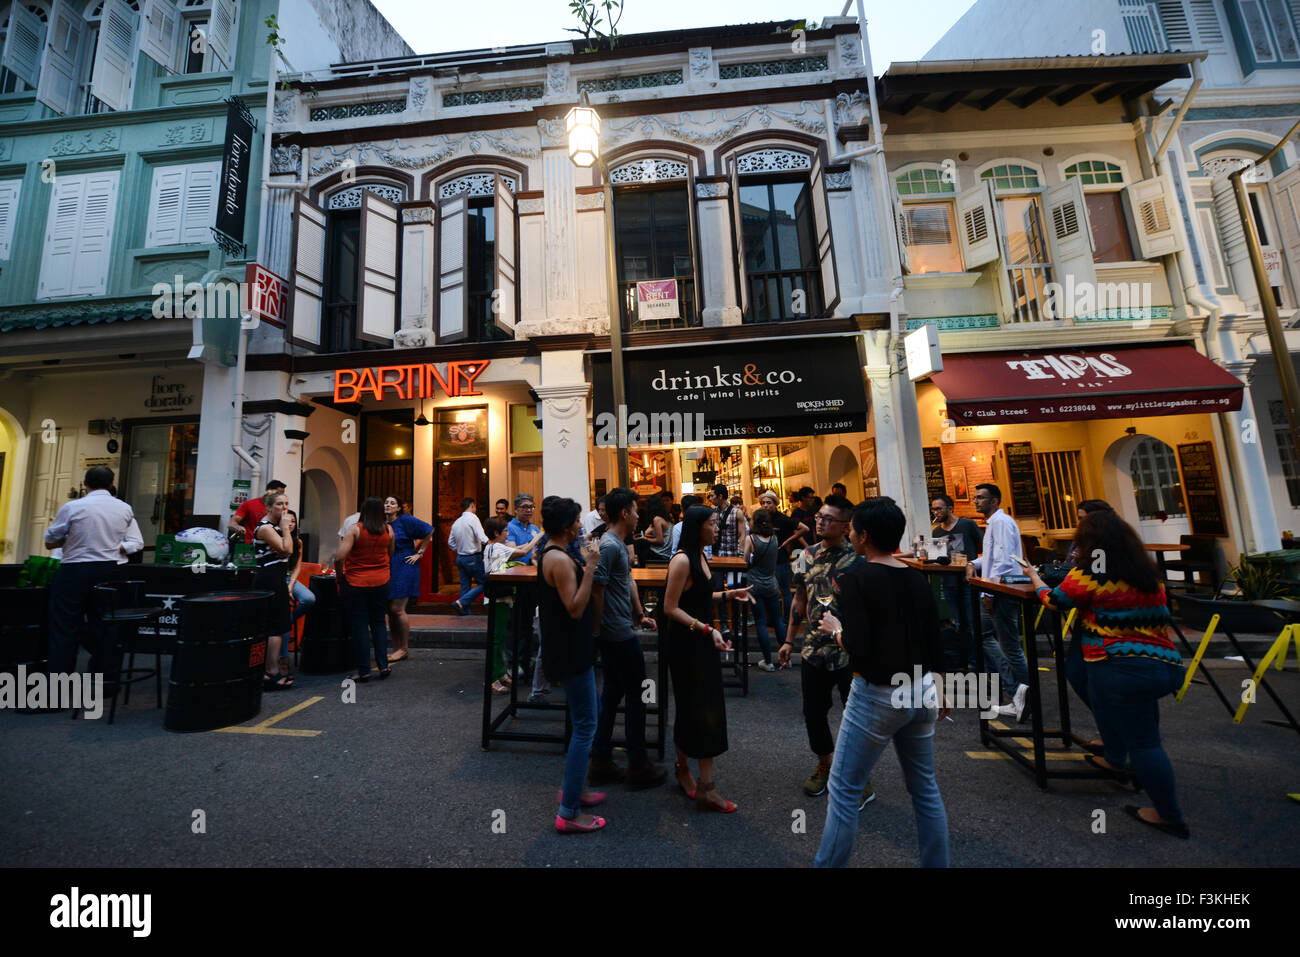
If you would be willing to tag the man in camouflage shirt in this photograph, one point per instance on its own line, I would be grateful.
(825, 663)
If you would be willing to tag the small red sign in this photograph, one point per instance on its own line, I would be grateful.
(257, 654)
(268, 294)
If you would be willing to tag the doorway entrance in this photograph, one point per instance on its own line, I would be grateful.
(159, 463)
(460, 447)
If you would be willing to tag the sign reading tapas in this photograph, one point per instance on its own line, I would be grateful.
(657, 299)
(420, 381)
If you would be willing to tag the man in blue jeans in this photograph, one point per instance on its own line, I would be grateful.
(467, 539)
(1000, 614)
(889, 626)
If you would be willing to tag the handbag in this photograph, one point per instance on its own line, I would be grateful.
(1053, 573)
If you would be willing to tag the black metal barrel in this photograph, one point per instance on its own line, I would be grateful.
(219, 660)
(326, 637)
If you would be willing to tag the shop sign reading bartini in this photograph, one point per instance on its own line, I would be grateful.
(419, 381)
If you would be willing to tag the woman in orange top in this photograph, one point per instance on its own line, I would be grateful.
(365, 554)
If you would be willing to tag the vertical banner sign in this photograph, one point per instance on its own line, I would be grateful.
(1201, 489)
(235, 161)
(869, 469)
(934, 482)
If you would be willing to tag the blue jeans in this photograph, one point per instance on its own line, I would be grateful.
(1125, 696)
(1076, 669)
(471, 570)
(368, 613)
(581, 692)
(767, 611)
(870, 722)
(1002, 649)
(305, 598)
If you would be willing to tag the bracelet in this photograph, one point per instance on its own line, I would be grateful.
(704, 628)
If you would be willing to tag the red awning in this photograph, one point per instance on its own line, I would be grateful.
(997, 388)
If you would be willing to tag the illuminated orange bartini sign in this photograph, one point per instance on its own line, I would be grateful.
(407, 382)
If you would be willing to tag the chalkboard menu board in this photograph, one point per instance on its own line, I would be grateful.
(933, 471)
(1201, 488)
(1024, 484)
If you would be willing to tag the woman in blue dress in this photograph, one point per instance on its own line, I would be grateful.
(411, 537)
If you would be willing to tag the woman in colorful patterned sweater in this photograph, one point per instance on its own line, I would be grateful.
(1131, 661)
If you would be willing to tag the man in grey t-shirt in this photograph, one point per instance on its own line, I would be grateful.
(616, 610)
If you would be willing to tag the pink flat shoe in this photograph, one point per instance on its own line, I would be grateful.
(565, 826)
(589, 798)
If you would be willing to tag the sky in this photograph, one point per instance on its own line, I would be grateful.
(898, 31)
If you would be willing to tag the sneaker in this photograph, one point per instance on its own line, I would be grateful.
(766, 666)
(1019, 701)
(868, 795)
(605, 771)
(538, 697)
(644, 774)
(815, 786)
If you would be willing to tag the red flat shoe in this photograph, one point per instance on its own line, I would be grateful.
(565, 826)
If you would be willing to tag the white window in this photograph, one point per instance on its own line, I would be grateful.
(189, 36)
(10, 190)
(109, 64)
(182, 204)
(1270, 28)
(927, 220)
(22, 36)
(79, 235)
(1190, 24)
(1103, 183)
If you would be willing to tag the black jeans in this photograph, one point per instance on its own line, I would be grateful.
(818, 683)
(624, 665)
(368, 614)
(521, 627)
(70, 600)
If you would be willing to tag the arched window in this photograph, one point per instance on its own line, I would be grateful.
(343, 263)
(1157, 486)
(925, 181)
(1011, 177)
(1103, 183)
(484, 201)
(654, 239)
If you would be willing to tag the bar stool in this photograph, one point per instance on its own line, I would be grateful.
(111, 602)
(24, 628)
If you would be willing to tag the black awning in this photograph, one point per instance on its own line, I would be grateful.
(941, 85)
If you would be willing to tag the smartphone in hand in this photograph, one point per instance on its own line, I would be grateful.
(1020, 561)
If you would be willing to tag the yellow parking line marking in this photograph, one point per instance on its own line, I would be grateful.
(264, 727)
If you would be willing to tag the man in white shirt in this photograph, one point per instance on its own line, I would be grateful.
(1000, 614)
(94, 532)
(595, 518)
(467, 539)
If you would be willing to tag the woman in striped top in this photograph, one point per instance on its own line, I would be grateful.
(1131, 661)
(273, 546)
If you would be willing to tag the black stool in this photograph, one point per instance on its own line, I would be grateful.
(24, 628)
(109, 601)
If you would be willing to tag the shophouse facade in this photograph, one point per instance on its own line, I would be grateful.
(116, 126)
(448, 265)
(1241, 99)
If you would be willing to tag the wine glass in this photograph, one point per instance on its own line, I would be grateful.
(822, 592)
(650, 603)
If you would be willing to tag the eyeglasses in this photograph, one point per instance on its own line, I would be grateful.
(826, 519)
(525, 508)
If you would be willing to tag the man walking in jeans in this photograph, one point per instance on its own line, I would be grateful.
(616, 607)
(466, 539)
(825, 664)
(1000, 614)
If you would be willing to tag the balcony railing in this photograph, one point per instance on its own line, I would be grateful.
(687, 318)
(1029, 292)
(772, 296)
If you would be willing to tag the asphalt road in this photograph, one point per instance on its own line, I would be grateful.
(399, 778)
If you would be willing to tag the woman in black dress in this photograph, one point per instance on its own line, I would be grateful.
(694, 659)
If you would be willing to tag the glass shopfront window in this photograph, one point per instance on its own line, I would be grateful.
(158, 473)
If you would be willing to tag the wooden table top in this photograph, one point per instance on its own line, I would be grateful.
(1021, 591)
(930, 568)
(728, 562)
(523, 574)
(1180, 547)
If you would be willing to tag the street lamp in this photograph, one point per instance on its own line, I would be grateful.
(583, 127)
(1272, 321)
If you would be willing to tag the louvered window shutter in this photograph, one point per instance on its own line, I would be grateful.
(308, 271)
(60, 79)
(95, 242)
(158, 32)
(453, 295)
(903, 229)
(221, 32)
(1286, 201)
(1232, 236)
(738, 234)
(1151, 209)
(165, 203)
(825, 242)
(1069, 233)
(114, 70)
(199, 212)
(23, 42)
(505, 292)
(10, 190)
(61, 235)
(976, 225)
(377, 263)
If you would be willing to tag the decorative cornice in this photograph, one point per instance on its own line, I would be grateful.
(973, 139)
